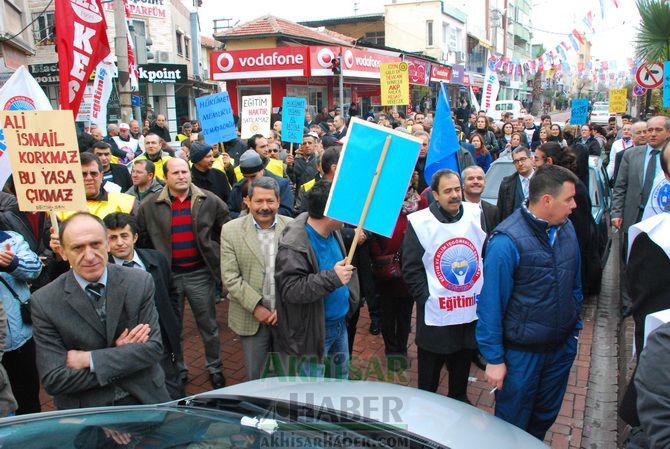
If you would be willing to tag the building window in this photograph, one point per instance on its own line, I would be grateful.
(187, 48)
(180, 44)
(429, 33)
(375, 37)
(445, 32)
(44, 28)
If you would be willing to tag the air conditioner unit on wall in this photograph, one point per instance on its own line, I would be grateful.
(460, 56)
(162, 56)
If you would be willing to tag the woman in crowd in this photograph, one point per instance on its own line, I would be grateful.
(506, 136)
(395, 300)
(556, 135)
(544, 138)
(488, 138)
(482, 154)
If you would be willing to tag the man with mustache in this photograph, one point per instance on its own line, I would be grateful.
(248, 250)
(442, 267)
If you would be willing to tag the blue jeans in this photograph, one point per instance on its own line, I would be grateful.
(335, 362)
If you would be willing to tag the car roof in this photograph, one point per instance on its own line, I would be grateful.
(429, 415)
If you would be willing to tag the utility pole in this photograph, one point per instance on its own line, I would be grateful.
(341, 87)
(121, 50)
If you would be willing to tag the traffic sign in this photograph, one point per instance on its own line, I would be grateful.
(638, 90)
(650, 75)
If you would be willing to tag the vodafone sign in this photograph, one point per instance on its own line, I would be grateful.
(365, 63)
(321, 60)
(440, 73)
(259, 63)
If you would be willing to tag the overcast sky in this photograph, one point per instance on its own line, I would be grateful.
(612, 40)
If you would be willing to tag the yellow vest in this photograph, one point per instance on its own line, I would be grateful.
(116, 202)
(218, 164)
(159, 174)
(275, 166)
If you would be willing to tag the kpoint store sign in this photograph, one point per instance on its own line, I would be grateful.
(259, 63)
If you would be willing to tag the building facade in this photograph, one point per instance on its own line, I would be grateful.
(16, 46)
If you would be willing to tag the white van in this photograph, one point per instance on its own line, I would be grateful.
(501, 106)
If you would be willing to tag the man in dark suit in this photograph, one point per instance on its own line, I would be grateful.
(122, 233)
(96, 327)
(116, 173)
(513, 190)
(638, 131)
(474, 181)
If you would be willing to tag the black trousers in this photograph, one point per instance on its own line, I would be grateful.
(22, 372)
(396, 324)
(458, 365)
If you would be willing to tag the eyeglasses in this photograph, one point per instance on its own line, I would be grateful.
(521, 160)
(274, 151)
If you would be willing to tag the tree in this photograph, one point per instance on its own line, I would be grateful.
(537, 87)
(652, 42)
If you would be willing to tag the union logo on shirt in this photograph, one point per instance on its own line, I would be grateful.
(659, 197)
(456, 264)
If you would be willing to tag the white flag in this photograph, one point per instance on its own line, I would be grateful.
(102, 89)
(491, 86)
(473, 100)
(20, 93)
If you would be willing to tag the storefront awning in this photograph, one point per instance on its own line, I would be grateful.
(486, 44)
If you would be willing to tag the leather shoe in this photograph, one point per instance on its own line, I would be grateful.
(374, 328)
(217, 380)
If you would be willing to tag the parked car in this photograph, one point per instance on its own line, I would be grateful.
(600, 114)
(276, 413)
(501, 106)
(599, 192)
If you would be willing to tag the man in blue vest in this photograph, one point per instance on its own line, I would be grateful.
(530, 304)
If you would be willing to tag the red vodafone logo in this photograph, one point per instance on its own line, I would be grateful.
(348, 59)
(325, 58)
(225, 62)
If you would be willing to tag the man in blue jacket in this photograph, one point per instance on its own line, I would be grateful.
(530, 304)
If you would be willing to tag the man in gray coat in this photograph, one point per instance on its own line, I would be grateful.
(96, 327)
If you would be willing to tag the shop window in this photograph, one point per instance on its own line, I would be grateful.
(44, 30)
(180, 43)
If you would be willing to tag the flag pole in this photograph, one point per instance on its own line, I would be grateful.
(368, 200)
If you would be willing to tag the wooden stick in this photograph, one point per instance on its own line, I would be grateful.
(291, 150)
(368, 200)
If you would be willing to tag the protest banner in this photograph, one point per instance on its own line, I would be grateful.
(394, 79)
(256, 112)
(293, 120)
(216, 118)
(617, 100)
(44, 154)
(20, 92)
(377, 160)
(580, 111)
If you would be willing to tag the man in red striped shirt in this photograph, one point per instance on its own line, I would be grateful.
(184, 223)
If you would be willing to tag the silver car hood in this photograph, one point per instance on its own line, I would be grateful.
(432, 416)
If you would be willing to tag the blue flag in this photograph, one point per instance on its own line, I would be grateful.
(444, 146)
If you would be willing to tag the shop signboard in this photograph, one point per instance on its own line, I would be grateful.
(364, 63)
(162, 73)
(441, 73)
(419, 70)
(259, 63)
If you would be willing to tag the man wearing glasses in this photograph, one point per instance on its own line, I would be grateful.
(513, 190)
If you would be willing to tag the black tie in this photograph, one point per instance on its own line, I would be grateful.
(649, 176)
(94, 292)
(129, 263)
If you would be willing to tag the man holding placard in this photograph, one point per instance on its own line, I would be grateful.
(442, 266)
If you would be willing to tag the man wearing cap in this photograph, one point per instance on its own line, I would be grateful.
(152, 143)
(251, 167)
(302, 168)
(259, 144)
(202, 173)
(186, 130)
(125, 142)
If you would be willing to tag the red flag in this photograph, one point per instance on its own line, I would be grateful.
(578, 35)
(81, 37)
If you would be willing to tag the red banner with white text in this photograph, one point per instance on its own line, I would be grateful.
(81, 38)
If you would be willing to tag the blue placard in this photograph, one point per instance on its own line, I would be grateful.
(216, 118)
(580, 111)
(666, 84)
(293, 119)
(356, 169)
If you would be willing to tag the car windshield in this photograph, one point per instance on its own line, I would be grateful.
(230, 422)
(494, 177)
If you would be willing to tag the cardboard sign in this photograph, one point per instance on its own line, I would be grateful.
(394, 78)
(293, 119)
(580, 111)
(356, 169)
(666, 84)
(45, 160)
(617, 100)
(256, 111)
(216, 118)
